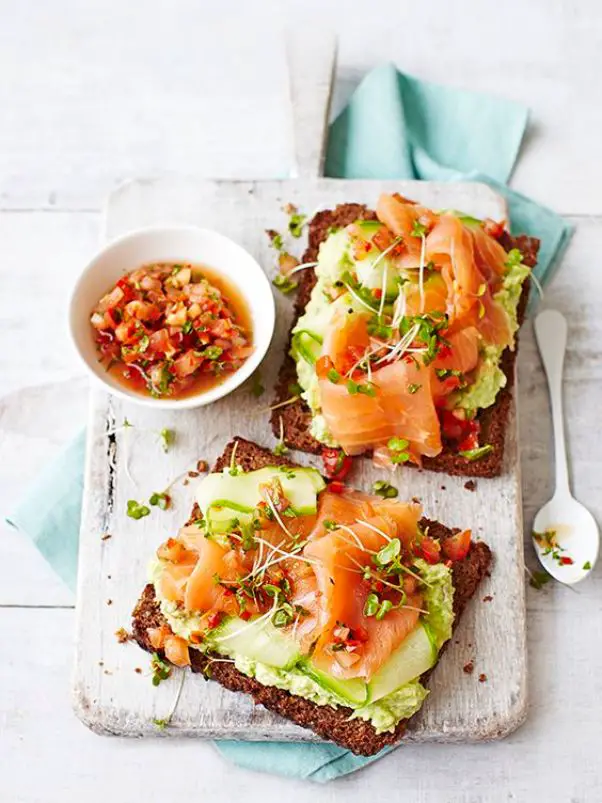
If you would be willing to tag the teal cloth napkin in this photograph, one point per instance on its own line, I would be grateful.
(395, 126)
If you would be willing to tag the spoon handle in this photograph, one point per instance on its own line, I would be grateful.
(551, 333)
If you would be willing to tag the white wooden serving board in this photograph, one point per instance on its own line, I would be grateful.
(109, 695)
(492, 633)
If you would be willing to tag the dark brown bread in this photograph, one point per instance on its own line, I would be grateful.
(329, 723)
(296, 417)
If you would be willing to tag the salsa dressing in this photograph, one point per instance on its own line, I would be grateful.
(172, 329)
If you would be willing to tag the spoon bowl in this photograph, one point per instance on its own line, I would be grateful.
(569, 525)
(565, 534)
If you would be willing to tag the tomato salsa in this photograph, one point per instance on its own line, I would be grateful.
(172, 330)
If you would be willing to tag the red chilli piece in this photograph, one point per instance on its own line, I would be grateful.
(566, 561)
(214, 619)
(336, 487)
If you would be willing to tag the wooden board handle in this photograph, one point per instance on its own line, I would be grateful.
(311, 66)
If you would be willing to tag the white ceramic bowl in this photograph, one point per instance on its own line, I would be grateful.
(172, 244)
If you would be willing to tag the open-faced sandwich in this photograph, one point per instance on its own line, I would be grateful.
(405, 337)
(328, 606)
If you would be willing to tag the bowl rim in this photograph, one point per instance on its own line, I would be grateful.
(204, 398)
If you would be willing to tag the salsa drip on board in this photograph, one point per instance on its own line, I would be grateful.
(172, 329)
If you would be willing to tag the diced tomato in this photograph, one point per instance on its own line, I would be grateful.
(471, 441)
(142, 310)
(429, 549)
(111, 300)
(214, 619)
(451, 426)
(127, 332)
(456, 546)
(186, 364)
(245, 615)
(566, 561)
(493, 228)
(112, 318)
(159, 342)
(323, 366)
(337, 464)
(336, 487)
(176, 651)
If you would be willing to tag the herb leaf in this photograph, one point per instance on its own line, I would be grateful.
(284, 284)
(371, 605)
(160, 500)
(295, 224)
(384, 489)
(539, 579)
(476, 454)
(257, 388)
(388, 553)
(168, 437)
(135, 510)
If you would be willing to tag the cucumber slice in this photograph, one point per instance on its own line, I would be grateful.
(415, 655)
(229, 496)
(369, 227)
(256, 639)
(307, 345)
(353, 692)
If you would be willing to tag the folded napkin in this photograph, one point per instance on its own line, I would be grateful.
(395, 126)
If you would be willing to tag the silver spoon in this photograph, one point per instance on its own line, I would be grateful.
(566, 536)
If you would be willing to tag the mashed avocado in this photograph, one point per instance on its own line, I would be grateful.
(439, 600)
(383, 714)
(388, 711)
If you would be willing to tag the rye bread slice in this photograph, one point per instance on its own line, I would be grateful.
(296, 417)
(333, 724)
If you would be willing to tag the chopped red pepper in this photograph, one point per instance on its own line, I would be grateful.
(336, 487)
(214, 619)
(337, 464)
(566, 561)
(493, 228)
(429, 549)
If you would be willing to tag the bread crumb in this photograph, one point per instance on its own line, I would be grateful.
(107, 672)
(185, 482)
(471, 485)
(123, 636)
(202, 466)
(289, 208)
(105, 537)
(193, 474)
(443, 488)
(482, 678)
(469, 668)
(109, 602)
(138, 670)
(488, 598)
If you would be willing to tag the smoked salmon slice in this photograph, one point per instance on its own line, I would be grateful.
(343, 556)
(402, 405)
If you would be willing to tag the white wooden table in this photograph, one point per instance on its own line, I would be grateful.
(94, 93)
